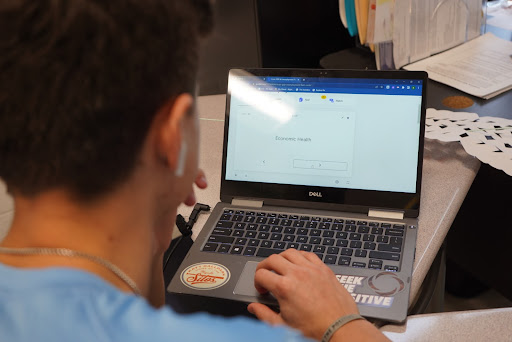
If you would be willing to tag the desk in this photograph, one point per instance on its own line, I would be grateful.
(448, 173)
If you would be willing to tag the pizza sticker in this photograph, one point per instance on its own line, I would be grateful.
(205, 276)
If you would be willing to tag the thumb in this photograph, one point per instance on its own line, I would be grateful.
(264, 313)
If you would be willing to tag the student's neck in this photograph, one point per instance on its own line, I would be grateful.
(117, 229)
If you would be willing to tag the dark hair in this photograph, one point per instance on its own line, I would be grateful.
(81, 81)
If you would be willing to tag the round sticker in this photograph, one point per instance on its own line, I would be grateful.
(205, 276)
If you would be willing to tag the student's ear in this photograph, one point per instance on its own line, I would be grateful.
(172, 146)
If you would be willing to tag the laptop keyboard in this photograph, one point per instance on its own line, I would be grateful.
(336, 241)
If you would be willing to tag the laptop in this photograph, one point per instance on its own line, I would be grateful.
(326, 161)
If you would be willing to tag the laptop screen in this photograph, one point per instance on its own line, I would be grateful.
(329, 131)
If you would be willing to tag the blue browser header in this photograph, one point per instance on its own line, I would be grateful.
(336, 85)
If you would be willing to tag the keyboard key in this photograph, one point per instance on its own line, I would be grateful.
(224, 224)
(299, 224)
(302, 239)
(344, 261)
(385, 256)
(289, 230)
(261, 214)
(399, 226)
(337, 226)
(396, 240)
(250, 234)
(363, 229)
(302, 231)
(320, 256)
(362, 223)
(333, 250)
(280, 245)
(293, 245)
(286, 223)
(347, 251)
(276, 236)
(374, 224)
(276, 229)
(385, 225)
(389, 248)
(360, 253)
(237, 218)
(375, 262)
(238, 232)
(312, 224)
(289, 238)
(305, 218)
(210, 247)
(263, 235)
(315, 240)
(370, 245)
(350, 222)
(316, 218)
(251, 226)
(222, 231)
(350, 228)
(239, 212)
(358, 264)
(325, 225)
(224, 248)
(264, 228)
(341, 235)
(273, 215)
(356, 244)
(261, 220)
(249, 251)
(328, 242)
(391, 268)
(368, 237)
(315, 232)
(236, 250)
(354, 236)
(254, 243)
(306, 247)
(240, 225)
(319, 249)
(328, 234)
(266, 244)
(330, 259)
(225, 217)
(382, 239)
(249, 219)
(294, 217)
(240, 241)
(342, 243)
(221, 239)
(282, 216)
(339, 221)
(274, 221)
(266, 252)
(327, 219)
(250, 213)
(377, 231)
(228, 211)
(394, 232)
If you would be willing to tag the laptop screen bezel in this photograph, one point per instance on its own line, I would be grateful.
(339, 199)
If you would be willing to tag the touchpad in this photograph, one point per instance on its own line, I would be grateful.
(245, 285)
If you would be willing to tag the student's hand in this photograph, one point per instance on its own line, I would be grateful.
(200, 183)
(310, 297)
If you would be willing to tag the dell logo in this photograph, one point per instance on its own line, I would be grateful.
(315, 194)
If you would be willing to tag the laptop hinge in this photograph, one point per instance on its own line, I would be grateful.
(247, 203)
(398, 215)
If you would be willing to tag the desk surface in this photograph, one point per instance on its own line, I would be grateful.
(448, 173)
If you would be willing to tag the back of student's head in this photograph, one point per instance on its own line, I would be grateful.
(80, 82)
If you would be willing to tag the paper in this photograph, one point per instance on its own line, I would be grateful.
(383, 21)
(371, 22)
(487, 138)
(481, 67)
(343, 15)
(424, 27)
(362, 18)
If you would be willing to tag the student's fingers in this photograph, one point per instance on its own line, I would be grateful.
(264, 313)
(277, 263)
(312, 257)
(200, 181)
(265, 281)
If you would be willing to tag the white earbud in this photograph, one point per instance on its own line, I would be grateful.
(180, 167)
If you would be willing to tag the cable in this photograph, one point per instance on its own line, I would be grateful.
(185, 228)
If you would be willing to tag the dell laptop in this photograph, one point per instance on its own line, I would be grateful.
(325, 161)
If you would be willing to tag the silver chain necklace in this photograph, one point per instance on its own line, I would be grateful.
(74, 254)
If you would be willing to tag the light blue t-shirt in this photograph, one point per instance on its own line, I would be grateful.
(63, 304)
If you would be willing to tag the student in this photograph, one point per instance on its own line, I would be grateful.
(99, 146)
